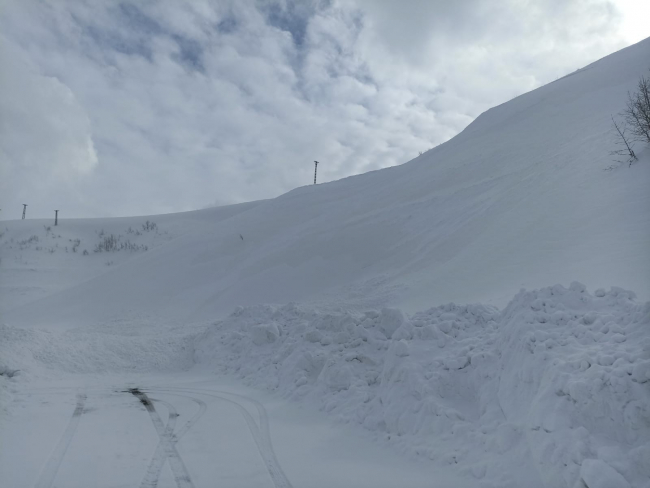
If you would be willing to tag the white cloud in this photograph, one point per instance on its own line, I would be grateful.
(45, 138)
(193, 103)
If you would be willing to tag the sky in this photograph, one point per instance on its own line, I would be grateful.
(112, 108)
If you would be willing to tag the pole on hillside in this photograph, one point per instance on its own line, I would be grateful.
(56, 217)
(315, 170)
(24, 210)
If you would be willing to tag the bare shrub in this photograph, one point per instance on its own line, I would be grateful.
(113, 243)
(108, 243)
(27, 242)
(149, 226)
(625, 150)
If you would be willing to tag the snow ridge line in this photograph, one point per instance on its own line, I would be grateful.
(261, 434)
(46, 479)
(181, 475)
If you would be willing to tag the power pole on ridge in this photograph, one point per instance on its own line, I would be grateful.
(56, 217)
(24, 210)
(315, 170)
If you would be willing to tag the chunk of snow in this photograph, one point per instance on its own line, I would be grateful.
(401, 348)
(595, 473)
(264, 334)
(390, 320)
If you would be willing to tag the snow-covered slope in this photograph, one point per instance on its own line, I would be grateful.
(521, 198)
(549, 391)
(38, 259)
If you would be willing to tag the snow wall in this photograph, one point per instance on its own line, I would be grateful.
(559, 375)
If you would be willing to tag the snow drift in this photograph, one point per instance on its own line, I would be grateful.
(559, 376)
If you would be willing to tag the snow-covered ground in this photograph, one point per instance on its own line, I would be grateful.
(291, 342)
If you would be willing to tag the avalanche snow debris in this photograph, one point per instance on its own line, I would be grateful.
(597, 474)
(559, 375)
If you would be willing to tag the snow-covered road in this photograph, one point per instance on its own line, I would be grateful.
(184, 431)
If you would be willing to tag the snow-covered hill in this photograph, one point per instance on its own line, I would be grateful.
(505, 388)
(38, 259)
(521, 198)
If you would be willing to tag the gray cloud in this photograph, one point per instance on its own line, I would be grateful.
(148, 107)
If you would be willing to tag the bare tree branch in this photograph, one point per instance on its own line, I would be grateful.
(628, 152)
(637, 111)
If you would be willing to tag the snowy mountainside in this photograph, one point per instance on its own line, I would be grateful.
(521, 198)
(38, 259)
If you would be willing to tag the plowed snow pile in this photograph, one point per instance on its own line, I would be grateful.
(560, 376)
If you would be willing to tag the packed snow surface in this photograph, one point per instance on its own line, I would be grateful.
(317, 297)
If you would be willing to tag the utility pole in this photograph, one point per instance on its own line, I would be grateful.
(56, 217)
(315, 170)
(24, 210)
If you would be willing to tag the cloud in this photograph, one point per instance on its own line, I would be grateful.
(168, 106)
(485, 51)
(45, 138)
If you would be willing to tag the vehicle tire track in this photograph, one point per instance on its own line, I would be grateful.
(179, 470)
(159, 458)
(46, 479)
(261, 434)
(157, 463)
(190, 423)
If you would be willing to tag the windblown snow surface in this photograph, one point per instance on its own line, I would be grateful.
(318, 295)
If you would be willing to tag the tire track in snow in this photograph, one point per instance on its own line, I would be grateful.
(159, 458)
(190, 423)
(46, 479)
(179, 470)
(261, 434)
(157, 463)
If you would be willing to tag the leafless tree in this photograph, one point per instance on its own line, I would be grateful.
(636, 122)
(637, 111)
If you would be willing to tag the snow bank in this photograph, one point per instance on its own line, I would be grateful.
(105, 348)
(560, 377)
(119, 346)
